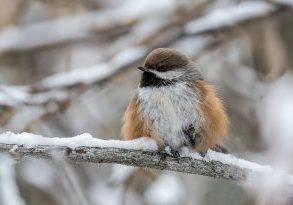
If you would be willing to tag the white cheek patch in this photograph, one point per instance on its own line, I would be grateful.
(169, 74)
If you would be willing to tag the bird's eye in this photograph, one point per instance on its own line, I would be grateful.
(162, 68)
(148, 66)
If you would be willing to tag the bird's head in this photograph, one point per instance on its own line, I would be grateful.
(169, 64)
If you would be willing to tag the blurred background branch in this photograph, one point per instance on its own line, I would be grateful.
(57, 89)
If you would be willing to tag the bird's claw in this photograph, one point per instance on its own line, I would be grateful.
(175, 153)
(202, 154)
(172, 152)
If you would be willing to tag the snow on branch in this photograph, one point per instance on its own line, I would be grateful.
(141, 152)
(13, 96)
(233, 15)
(95, 74)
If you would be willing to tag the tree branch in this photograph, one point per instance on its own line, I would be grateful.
(127, 157)
(140, 153)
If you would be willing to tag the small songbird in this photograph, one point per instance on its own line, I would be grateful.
(174, 105)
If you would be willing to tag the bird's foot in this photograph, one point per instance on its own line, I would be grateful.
(203, 153)
(172, 152)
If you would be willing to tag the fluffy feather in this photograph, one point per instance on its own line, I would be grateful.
(174, 106)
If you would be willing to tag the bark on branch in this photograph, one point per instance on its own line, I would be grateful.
(136, 158)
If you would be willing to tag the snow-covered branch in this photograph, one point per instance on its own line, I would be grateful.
(95, 74)
(141, 152)
(64, 30)
(230, 16)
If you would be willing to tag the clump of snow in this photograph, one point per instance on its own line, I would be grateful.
(232, 160)
(167, 189)
(255, 171)
(31, 140)
(224, 158)
(228, 16)
(187, 152)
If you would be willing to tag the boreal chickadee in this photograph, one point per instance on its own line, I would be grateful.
(174, 105)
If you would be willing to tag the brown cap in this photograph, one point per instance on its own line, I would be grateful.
(165, 59)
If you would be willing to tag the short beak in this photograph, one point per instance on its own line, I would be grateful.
(142, 69)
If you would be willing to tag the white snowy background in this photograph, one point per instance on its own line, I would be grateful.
(67, 67)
